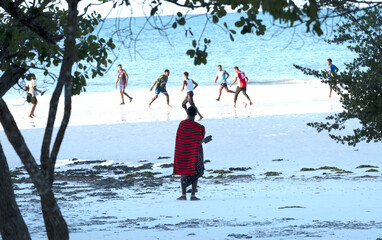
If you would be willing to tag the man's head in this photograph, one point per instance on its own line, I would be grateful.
(236, 69)
(192, 111)
(219, 67)
(167, 72)
(119, 66)
(329, 61)
(186, 75)
(33, 77)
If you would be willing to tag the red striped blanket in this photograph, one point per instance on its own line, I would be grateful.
(188, 142)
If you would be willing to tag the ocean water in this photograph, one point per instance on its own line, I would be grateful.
(264, 59)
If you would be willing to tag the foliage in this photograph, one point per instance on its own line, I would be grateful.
(360, 84)
(23, 47)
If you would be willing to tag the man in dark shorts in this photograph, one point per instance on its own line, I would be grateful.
(242, 85)
(122, 78)
(161, 87)
(32, 90)
(188, 156)
(190, 86)
(222, 76)
(332, 70)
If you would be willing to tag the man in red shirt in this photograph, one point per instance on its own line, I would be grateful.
(242, 85)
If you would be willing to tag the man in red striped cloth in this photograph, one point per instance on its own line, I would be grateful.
(188, 158)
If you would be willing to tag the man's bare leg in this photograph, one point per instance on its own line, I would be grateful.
(330, 91)
(184, 194)
(168, 99)
(128, 96)
(194, 185)
(200, 116)
(229, 91)
(31, 114)
(123, 100)
(152, 100)
(220, 93)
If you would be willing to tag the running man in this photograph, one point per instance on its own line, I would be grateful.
(222, 76)
(161, 87)
(332, 70)
(242, 85)
(32, 90)
(122, 78)
(190, 86)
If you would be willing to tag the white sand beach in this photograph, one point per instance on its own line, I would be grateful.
(340, 202)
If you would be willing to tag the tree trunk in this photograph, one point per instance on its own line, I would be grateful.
(12, 225)
(55, 224)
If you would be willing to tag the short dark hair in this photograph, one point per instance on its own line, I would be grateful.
(167, 71)
(119, 65)
(192, 111)
(186, 73)
(330, 60)
(33, 76)
(236, 67)
(219, 65)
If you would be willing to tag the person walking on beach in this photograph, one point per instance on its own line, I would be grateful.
(332, 70)
(190, 86)
(242, 85)
(161, 87)
(222, 76)
(188, 156)
(122, 78)
(32, 90)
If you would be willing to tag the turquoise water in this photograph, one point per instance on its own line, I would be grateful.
(264, 59)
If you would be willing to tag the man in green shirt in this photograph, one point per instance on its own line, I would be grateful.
(161, 87)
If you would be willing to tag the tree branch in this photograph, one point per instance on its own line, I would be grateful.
(65, 77)
(31, 22)
(10, 77)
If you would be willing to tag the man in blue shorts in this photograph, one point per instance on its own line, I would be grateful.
(161, 87)
(332, 70)
(222, 76)
(122, 78)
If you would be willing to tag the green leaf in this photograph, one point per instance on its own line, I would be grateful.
(154, 10)
(215, 19)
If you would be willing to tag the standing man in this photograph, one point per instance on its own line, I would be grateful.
(190, 86)
(332, 70)
(123, 79)
(222, 76)
(242, 85)
(161, 87)
(188, 157)
(32, 90)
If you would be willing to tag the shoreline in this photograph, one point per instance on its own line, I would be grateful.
(103, 107)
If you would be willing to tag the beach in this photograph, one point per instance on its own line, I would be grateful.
(268, 174)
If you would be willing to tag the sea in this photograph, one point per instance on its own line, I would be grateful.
(146, 47)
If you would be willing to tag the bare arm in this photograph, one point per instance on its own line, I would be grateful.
(116, 82)
(216, 78)
(233, 82)
(127, 76)
(225, 72)
(246, 79)
(195, 84)
(153, 85)
(183, 85)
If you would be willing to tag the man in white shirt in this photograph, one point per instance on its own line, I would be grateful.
(222, 76)
(32, 90)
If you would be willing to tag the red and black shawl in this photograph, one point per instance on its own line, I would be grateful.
(188, 142)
